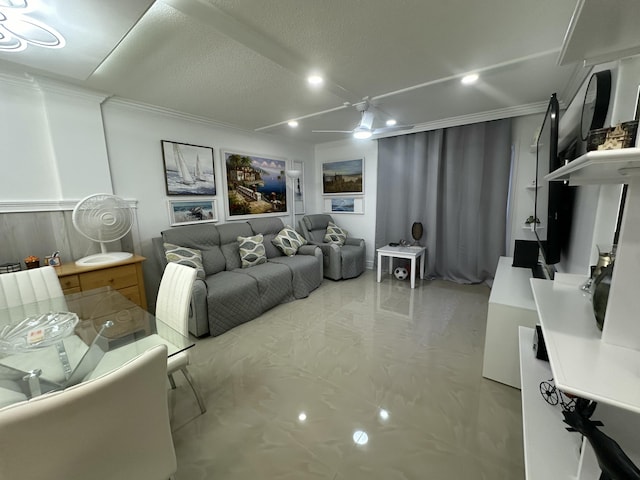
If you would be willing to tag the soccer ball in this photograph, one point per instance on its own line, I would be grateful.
(401, 273)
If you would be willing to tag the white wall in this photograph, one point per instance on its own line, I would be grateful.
(360, 226)
(522, 199)
(133, 134)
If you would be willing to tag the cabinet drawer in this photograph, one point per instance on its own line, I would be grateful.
(116, 277)
(132, 294)
(69, 291)
(69, 282)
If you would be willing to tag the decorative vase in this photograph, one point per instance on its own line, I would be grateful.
(600, 293)
(416, 232)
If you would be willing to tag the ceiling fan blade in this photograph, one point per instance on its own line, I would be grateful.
(332, 131)
(395, 128)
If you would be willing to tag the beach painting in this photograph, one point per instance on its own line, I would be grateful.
(256, 185)
(344, 205)
(185, 212)
(188, 169)
(343, 177)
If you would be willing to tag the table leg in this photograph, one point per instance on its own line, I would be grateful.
(379, 267)
(413, 272)
(422, 266)
(391, 264)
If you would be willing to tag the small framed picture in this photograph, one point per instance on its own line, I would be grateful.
(344, 205)
(185, 212)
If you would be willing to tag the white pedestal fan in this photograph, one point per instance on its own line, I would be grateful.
(103, 218)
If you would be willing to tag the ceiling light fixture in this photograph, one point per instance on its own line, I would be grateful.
(391, 122)
(469, 79)
(292, 123)
(315, 80)
(18, 30)
(362, 133)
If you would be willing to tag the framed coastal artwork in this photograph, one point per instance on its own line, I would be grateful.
(298, 189)
(344, 205)
(343, 177)
(185, 212)
(256, 185)
(188, 169)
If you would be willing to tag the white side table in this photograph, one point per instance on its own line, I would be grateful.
(411, 253)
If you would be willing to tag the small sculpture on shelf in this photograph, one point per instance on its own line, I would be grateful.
(613, 462)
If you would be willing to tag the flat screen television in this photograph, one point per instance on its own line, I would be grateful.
(553, 200)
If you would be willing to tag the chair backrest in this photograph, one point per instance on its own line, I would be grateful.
(174, 296)
(314, 227)
(115, 426)
(28, 286)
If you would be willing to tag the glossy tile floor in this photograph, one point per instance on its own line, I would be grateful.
(362, 380)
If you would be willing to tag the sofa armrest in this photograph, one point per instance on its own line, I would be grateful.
(198, 316)
(307, 250)
(358, 242)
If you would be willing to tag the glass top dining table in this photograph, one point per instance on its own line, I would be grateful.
(59, 342)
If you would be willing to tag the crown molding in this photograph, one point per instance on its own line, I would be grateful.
(47, 85)
(17, 80)
(23, 206)
(146, 107)
(499, 114)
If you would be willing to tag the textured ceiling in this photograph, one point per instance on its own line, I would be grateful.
(244, 62)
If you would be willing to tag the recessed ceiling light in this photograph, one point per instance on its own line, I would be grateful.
(292, 123)
(384, 414)
(469, 79)
(391, 122)
(302, 417)
(315, 80)
(360, 437)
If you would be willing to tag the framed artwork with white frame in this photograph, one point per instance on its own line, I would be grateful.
(344, 205)
(187, 212)
(298, 193)
(343, 177)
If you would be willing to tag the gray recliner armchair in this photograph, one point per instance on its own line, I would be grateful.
(346, 261)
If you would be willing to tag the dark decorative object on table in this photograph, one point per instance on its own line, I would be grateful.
(10, 267)
(600, 293)
(613, 462)
(416, 232)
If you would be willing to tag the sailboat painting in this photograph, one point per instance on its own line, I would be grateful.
(188, 169)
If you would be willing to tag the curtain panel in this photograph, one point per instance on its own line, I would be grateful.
(455, 182)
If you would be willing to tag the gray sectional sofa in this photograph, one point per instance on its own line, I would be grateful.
(230, 295)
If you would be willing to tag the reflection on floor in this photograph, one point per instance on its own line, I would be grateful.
(362, 380)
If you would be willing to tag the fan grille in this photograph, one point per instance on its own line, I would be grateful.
(103, 218)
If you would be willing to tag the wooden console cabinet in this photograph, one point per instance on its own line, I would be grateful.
(125, 276)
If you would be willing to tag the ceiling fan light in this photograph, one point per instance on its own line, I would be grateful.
(362, 134)
(470, 79)
(315, 80)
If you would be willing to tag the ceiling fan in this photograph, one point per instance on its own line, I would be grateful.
(365, 127)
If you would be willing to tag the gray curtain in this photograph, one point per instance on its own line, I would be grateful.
(456, 183)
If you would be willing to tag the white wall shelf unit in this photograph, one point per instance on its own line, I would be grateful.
(581, 362)
(550, 451)
(600, 167)
(621, 326)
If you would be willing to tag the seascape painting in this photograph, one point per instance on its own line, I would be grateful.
(185, 212)
(188, 169)
(343, 177)
(342, 204)
(256, 185)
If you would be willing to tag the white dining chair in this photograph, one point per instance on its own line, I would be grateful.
(31, 292)
(172, 309)
(20, 289)
(114, 426)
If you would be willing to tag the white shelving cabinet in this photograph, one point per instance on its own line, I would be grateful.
(621, 325)
(601, 366)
